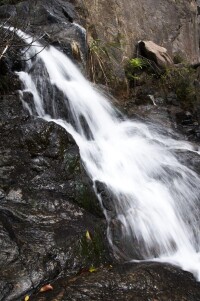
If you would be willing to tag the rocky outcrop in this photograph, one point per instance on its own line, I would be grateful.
(120, 24)
(155, 53)
(47, 203)
(172, 24)
(52, 22)
(111, 38)
(130, 282)
(42, 189)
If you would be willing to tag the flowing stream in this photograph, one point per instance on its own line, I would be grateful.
(154, 198)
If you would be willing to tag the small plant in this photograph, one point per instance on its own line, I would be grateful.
(137, 63)
(134, 67)
(97, 53)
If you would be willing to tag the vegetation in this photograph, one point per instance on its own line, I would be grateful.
(101, 55)
(181, 81)
(134, 67)
(137, 63)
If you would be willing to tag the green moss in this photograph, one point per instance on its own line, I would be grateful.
(71, 162)
(83, 196)
(93, 251)
(135, 67)
(86, 199)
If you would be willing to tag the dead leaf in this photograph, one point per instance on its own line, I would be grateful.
(92, 269)
(47, 287)
(26, 298)
(87, 234)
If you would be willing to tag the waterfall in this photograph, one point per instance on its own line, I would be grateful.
(154, 198)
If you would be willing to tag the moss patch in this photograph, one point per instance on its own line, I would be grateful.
(93, 249)
(86, 199)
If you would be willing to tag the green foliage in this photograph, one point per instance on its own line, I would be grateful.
(137, 63)
(181, 81)
(134, 68)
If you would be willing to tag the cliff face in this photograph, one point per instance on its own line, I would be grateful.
(118, 25)
(170, 23)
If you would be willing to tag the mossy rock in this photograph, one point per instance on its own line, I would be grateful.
(71, 162)
(93, 248)
(87, 199)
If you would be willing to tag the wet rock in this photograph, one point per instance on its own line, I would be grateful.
(184, 118)
(138, 282)
(105, 196)
(189, 158)
(188, 125)
(7, 11)
(42, 181)
(55, 21)
(172, 99)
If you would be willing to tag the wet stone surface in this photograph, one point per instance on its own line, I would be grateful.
(47, 206)
(130, 282)
(41, 225)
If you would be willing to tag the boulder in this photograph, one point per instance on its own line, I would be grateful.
(155, 53)
(46, 204)
(128, 282)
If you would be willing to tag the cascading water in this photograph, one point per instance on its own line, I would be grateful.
(155, 197)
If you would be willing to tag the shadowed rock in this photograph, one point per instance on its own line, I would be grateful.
(129, 282)
(42, 182)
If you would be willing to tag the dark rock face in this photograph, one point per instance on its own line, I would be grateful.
(41, 227)
(51, 21)
(47, 203)
(132, 282)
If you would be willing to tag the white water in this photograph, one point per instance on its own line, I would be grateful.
(156, 198)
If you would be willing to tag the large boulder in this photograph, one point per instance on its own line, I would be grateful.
(129, 282)
(47, 204)
(155, 53)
